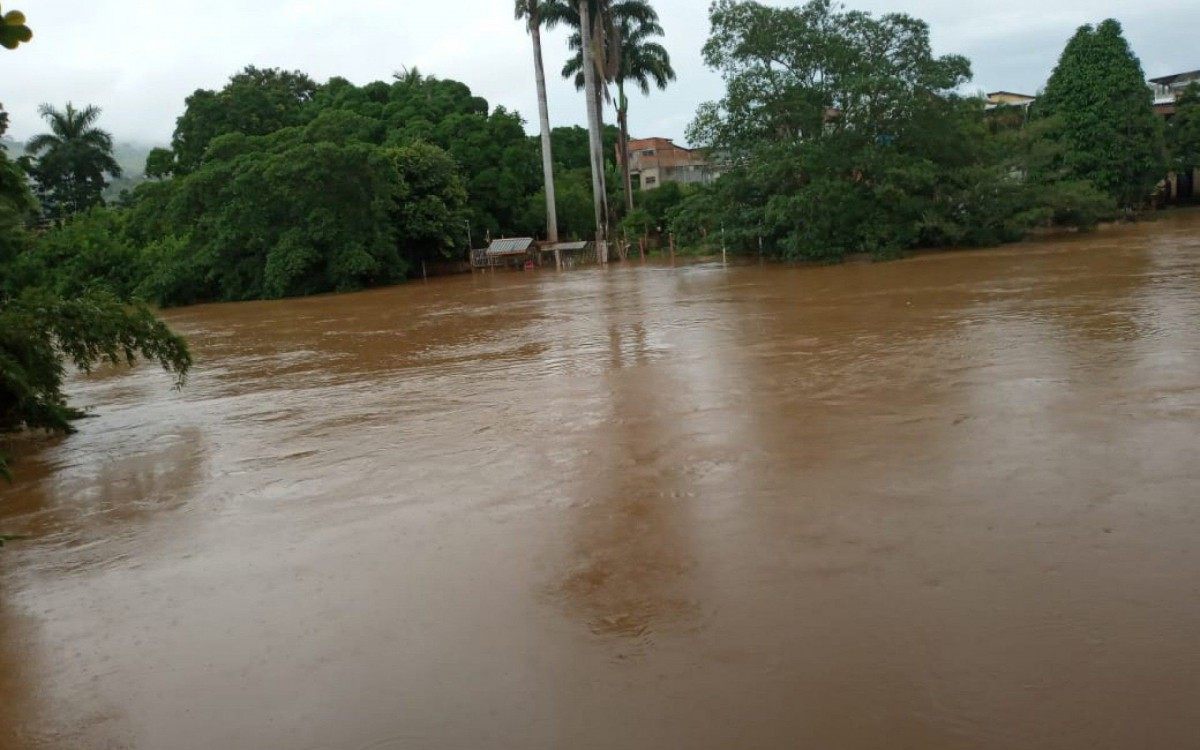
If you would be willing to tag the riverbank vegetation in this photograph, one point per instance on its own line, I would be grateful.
(845, 134)
(51, 312)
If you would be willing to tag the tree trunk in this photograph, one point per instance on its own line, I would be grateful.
(595, 140)
(623, 125)
(547, 147)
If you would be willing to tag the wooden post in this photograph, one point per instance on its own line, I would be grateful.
(424, 272)
(672, 244)
(724, 250)
(557, 258)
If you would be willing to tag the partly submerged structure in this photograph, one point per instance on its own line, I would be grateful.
(525, 252)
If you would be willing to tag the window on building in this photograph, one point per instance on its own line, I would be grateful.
(651, 181)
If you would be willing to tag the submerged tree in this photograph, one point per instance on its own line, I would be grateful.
(1102, 115)
(71, 163)
(530, 11)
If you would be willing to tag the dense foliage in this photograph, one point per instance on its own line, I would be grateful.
(276, 186)
(843, 134)
(1183, 130)
(1101, 113)
(43, 327)
(71, 164)
(359, 188)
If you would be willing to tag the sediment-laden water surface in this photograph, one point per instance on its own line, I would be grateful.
(947, 502)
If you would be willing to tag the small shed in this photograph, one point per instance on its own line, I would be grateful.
(568, 254)
(503, 252)
(510, 248)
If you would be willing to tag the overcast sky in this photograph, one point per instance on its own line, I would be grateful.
(138, 59)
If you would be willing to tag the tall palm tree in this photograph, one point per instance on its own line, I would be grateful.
(588, 17)
(638, 60)
(530, 11)
(72, 160)
(595, 137)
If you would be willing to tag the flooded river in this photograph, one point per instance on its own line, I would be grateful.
(947, 502)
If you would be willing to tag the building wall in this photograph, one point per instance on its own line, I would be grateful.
(657, 161)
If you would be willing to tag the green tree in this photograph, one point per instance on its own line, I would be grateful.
(16, 204)
(845, 135)
(530, 11)
(256, 101)
(827, 116)
(87, 252)
(72, 163)
(430, 201)
(334, 205)
(1183, 130)
(40, 330)
(1102, 115)
(160, 163)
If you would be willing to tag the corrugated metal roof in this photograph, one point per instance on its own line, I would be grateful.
(1168, 80)
(511, 246)
(567, 247)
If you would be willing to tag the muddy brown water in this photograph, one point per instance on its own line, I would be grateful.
(948, 502)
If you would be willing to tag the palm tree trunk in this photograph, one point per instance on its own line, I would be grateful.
(547, 147)
(594, 138)
(623, 124)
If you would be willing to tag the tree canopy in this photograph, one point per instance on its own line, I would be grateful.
(842, 133)
(1183, 131)
(1101, 115)
(72, 163)
(41, 330)
(256, 101)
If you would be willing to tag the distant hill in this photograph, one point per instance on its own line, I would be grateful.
(131, 156)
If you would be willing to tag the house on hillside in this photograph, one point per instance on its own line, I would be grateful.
(1168, 88)
(1178, 188)
(656, 161)
(1009, 99)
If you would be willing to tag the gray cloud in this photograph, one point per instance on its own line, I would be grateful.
(139, 60)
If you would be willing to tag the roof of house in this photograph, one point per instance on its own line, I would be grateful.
(1168, 80)
(566, 247)
(510, 246)
(1010, 93)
